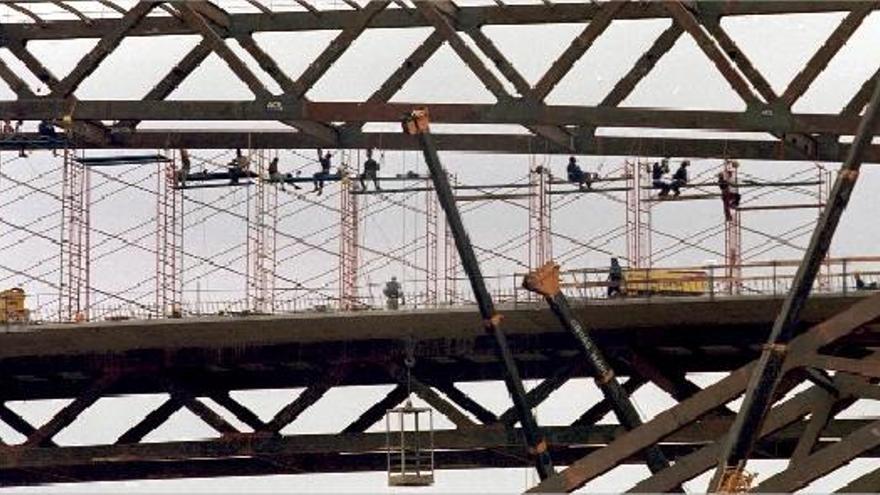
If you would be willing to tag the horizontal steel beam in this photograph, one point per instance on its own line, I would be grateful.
(466, 18)
(519, 112)
(497, 143)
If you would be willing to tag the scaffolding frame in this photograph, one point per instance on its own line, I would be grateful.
(75, 243)
(540, 217)
(262, 228)
(169, 239)
(639, 249)
(733, 237)
(349, 226)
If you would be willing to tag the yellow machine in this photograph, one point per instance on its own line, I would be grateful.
(12, 308)
(665, 282)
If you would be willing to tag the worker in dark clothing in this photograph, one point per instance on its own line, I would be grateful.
(730, 197)
(185, 167)
(319, 177)
(657, 171)
(371, 171)
(46, 129)
(615, 278)
(861, 285)
(274, 176)
(679, 178)
(392, 293)
(576, 175)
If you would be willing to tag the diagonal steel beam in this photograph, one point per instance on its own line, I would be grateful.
(867, 483)
(305, 399)
(377, 411)
(172, 80)
(826, 52)
(267, 63)
(15, 83)
(73, 10)
(461, 399)
(192, 13)
(68, 414)
(104, 48)
(337, 47)
(205, 413)
(643, 66)
(240, 412)
(824, 461)
(539, 394)
(860, 99)
(769, 368)
(156, 418)
(562, 65)
(600, 409)
(713, 26)
(407, 69)
(432, 11)
(17, 423)
(424, 392)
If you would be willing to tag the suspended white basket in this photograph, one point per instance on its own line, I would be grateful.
(410, 441)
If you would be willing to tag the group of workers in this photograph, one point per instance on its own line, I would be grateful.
(10, 131)
(660, 169)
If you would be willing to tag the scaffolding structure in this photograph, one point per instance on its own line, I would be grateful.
(540, 232)
(432, 255)
(262, 227)
(639, 250)
(75, 242)
(349, 225)
(732, 236)
(169, 239)
(451, 264)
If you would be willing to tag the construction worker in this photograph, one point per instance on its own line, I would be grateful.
(730, 197)
(47, 130)
(8, 131)
(319, 177)
(657, 172)
(371, 171)
(238, 167)
(576, 175)
(679, 178)
(615, 278)
(861, 285)
(392, 294)
(185, 167)
(274, 176)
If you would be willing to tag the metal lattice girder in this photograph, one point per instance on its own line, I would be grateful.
(467, 17)
(698, 405)
(769, 369)
(512, 112)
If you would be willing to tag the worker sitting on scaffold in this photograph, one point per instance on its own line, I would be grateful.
(679, 178)
(576, 175)
(371, 171)
(658, 169)
(238, 167)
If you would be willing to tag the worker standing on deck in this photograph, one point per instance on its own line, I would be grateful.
(576, 175)
(657, 171)
(371, 171)
(274, 176)
(615, 278)
(392, 293)
(319, 177)
(680, 178)
(185, 167)
(730, 197)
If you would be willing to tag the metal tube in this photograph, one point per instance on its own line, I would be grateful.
(768, 371)
(491, 320)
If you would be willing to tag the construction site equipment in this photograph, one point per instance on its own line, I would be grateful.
(545, 281)
(417, 124)
(12, 308)
(657, 281)
(410, 439)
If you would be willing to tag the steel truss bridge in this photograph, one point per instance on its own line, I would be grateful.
(799, 363)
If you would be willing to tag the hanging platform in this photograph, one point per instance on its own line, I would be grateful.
(781, 207)
(211, 176)
(493, 197)
(112, 161)
(594, 191)
(410, 442)
(684, 197)
(215, 186)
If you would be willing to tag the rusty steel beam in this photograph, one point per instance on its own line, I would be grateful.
(202, 411)
(579, 46)
(150, 422)
(240, 412)
(823, 462)
(867, 483)
(68, 414)
(444, 407)
(643, 66)
(306, 399)
(802, 81)
(464, 401)
(860, 99)
(686, 412)
(539, 393)
(501, 143)
(377, 411)
(868, 366)
(509, 112)
(713, 26)
(467, 17)
(337, 47)
(108, 42)
(17, 423)
(768, 372)
(782, 416)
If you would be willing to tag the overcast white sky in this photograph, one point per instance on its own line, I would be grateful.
(683, 79)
